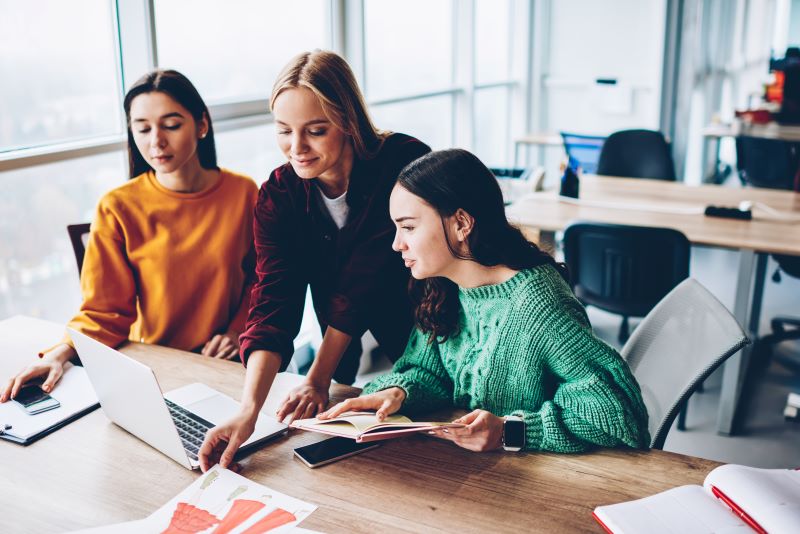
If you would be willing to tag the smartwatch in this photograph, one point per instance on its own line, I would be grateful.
(513, 433)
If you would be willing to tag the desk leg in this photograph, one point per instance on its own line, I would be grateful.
(747, 310)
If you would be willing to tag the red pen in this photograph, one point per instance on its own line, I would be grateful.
(736, 510)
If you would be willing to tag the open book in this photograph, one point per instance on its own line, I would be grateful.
(762, 500)
(364, 426)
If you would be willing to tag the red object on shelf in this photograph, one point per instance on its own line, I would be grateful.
(774, 91)
(754, 116)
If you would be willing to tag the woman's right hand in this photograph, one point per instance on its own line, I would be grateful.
(50, 368)
(222, 441)
(384, 402)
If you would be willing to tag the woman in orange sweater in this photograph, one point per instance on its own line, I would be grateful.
(170, 254)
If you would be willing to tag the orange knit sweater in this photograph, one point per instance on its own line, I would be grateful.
(168, 268)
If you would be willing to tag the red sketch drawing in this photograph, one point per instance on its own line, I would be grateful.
(241, 510)
(188, 519)
(272, 520)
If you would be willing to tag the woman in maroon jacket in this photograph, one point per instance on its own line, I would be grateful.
(322, 219)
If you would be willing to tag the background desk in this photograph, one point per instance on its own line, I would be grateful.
(771, 130)
(92, 473)
(651, 201)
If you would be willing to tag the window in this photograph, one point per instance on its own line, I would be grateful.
(38, 274)
(252, 151)
(492, 41)
(408, 47)
(440, 70)
(428, 119)
(492, 143)
(60, 83)
(235, 50)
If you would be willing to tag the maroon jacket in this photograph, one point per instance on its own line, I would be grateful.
(358, 282)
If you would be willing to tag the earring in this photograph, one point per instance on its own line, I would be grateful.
(203, 135)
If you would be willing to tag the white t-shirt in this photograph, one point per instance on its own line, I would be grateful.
(337, 207)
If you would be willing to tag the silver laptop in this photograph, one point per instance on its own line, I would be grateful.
(175, 423)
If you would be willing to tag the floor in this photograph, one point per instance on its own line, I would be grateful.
(765, 439)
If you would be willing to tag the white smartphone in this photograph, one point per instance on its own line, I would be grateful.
(330, 450)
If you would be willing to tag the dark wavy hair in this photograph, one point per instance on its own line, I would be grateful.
(448, 180)
(178, 87)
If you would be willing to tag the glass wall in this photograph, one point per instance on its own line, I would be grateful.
(440, 70)
(58, 84)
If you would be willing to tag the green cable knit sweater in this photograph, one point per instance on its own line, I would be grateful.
(526, 348)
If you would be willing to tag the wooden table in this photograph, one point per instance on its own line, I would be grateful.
(93, 473)
(675, 205)
(771, 130)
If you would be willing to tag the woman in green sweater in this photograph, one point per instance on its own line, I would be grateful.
(499, 331)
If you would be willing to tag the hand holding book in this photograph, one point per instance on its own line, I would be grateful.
(384, 403)
(364, 426)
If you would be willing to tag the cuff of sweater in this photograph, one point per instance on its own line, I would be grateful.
(393, 380)
(534, 431)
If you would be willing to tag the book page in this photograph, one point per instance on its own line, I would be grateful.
(682, 510)
(351, 423)
(771, 497)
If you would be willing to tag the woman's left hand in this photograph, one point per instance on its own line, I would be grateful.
(484, 431)
(223, 346)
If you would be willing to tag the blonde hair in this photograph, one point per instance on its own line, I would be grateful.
(329, 77)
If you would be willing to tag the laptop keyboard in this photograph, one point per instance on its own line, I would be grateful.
(191, 428)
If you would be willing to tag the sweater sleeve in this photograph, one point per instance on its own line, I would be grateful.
(239, 318)
(421, 374)
(278, 295)
(597, 401)
(237, 323)
(108, 283)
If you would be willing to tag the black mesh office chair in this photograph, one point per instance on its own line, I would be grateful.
(78, 236)
(776, 165)
(624, 269)
(636, 154)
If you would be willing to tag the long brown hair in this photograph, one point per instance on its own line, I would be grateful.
(330, 78)
(178, 87)
(449, 180)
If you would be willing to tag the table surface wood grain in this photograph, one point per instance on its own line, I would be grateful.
(93, 473)
(675, 205)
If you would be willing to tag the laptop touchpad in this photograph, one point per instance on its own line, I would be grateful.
(215, 409)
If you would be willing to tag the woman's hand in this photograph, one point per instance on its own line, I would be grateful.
(304, 401)
(222, 442)
(51, 367)
(384, 402)
(484, 431)
(224, 346)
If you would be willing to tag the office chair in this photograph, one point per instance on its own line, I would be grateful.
(585, 149)
(685, 338)
(79, 237)
(636, 154)
(772, 164)
(624, 269)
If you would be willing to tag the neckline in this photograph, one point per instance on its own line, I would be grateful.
(152, 180)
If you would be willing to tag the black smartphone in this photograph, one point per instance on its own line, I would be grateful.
(33, 399)
(330, 450)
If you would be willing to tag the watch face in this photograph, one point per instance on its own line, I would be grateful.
(514, 433)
